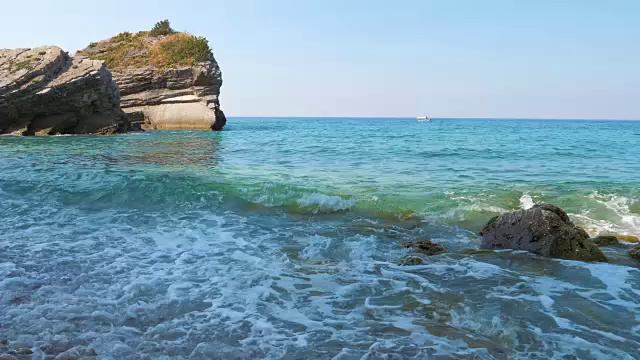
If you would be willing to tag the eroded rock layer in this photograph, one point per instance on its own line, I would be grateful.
(44, 91)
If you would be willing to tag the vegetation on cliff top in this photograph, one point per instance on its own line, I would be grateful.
(162, 48)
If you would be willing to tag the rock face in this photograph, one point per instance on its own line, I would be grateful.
(44, 91)
(167, 96)
(185, 98)
(544, 230)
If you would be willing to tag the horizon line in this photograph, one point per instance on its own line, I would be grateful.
(434, 118)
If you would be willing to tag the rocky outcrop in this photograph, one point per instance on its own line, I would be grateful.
(159, 94)
(544, 230)
(44, 91)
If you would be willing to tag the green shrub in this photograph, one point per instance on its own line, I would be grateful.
(161, 28)
(122, 37)
(137, 50)
(180, 49)
(41, 53)
(116, 53)
(92, 45)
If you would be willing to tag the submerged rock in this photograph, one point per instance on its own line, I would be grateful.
(477, 252)
(167, 80)
(78, 352)
(44, 91)
(634, 252)
(544, 230)
(426, 247)
(411, 261)
(24, 351)
(605, 240)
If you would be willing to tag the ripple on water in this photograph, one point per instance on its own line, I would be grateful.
(173, 245)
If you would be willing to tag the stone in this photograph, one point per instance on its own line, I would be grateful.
(76, 353)
(634, 252)
(175, 97)
(71, 354)
(605, 240)
(545, 230)
(8, 357)
(44, 91)
(24, 351)
(426, 247)
(628, 238)
(411, 261)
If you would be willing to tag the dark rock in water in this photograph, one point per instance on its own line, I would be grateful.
(426, 247)
(44, 91)
(605, 240)
(8, 357)
(544, 230)
(634, 252)
(411, 261)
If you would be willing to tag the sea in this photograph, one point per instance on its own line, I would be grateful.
(280, 238)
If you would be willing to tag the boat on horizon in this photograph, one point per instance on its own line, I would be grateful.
(423, 119)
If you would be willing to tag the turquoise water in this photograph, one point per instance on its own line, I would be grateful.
(279, 238)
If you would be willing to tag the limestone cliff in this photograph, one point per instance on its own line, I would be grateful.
(167, 81)
(44, 91)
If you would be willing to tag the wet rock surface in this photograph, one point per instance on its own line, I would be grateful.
(411, 261)
(605, 240)
(545, 230)
(627, 238)
(426, 247)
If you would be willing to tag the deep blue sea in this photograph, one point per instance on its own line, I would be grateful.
(279, 238)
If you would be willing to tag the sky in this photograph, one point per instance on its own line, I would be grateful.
(377, 58)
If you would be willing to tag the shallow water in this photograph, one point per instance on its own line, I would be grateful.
(279, 238)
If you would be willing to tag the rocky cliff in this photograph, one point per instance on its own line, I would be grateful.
(44, 91)
(167, 81)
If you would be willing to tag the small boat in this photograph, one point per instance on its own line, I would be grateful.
(423, 119)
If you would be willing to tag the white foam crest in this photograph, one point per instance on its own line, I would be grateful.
(493, 326)
(320, 203)
(316, 248)
(526, 202)
(617, 282)
(628, 223)
(467, 268)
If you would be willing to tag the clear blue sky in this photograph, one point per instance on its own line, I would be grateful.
(447, 58)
